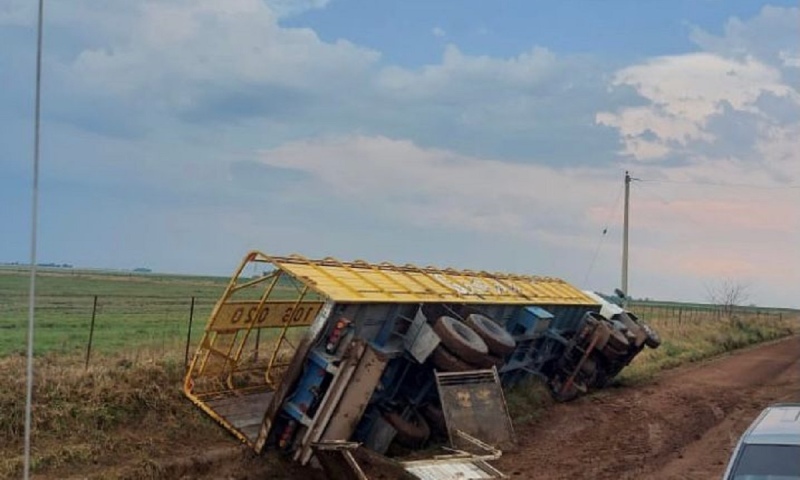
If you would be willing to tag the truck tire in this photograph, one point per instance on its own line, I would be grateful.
(499, 341)
(563, 396)
(461, 340)
(589, 367)
(447, 362)
(603, 333)
(410, 433)
(653, 339)
(618, 341)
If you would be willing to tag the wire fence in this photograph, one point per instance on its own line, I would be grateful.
(697, 312)
(137, 327)
(169, 326)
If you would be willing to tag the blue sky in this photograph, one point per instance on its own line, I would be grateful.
(179, 134)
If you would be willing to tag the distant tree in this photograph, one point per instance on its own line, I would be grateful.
(726, 295)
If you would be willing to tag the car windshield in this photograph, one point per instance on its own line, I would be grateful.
(768, 462)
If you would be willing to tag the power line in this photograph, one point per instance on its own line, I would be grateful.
(723, 184)
(602, 238)
(34, 223)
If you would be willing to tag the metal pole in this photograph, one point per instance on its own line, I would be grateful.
(188, 335)
(26, 472)
(91, 333)
(625, 237)
(258, 341)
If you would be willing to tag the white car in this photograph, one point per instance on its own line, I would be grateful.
(770, 448)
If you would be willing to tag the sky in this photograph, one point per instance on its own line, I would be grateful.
(179, 134)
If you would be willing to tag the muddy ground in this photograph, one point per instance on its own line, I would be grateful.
(681, 425)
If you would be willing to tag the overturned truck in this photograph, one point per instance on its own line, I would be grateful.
(300, 352)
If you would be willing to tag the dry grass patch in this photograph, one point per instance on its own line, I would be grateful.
(697, 339)
(114, 411)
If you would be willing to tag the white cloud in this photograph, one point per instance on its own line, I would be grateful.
(735, 98)
(460, 75)
(766, 35)
(439, 187)
(206, 61)
(678, 229)
(685, 92)
(185, 47)
(790, 59)
(438, 32)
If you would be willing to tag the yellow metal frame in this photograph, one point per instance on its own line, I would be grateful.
(231, 354)
(344, 282)
(362, 282)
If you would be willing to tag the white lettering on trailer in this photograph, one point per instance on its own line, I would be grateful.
(477, 286)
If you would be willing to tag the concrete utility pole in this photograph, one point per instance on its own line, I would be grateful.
(625, 236)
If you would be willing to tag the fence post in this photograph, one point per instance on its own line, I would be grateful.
(91, 333)
(188, 335)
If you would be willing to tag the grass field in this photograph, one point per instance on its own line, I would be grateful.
(132, 310)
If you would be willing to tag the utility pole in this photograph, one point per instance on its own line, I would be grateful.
(625, 237)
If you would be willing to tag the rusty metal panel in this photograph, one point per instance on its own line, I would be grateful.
(473, 402)
(356, 397)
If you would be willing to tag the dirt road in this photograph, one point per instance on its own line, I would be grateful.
(682, 426)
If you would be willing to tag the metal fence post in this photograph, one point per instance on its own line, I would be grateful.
(188, 335)
(91, 333)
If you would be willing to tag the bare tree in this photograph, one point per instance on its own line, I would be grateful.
(727, 295)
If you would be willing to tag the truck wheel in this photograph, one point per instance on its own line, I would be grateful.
(447, 362)
(563, 396)
(410, 433)
(653, 339)
(461, 340)
(603, 332)
(589, 367)
(617, 341)
(499, 341)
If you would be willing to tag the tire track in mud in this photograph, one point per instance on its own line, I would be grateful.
(684, 425)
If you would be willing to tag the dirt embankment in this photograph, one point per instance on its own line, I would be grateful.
(681, 426)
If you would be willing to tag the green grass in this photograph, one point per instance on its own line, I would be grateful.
(132, 310)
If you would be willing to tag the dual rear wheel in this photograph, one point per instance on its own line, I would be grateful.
(477, 343)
